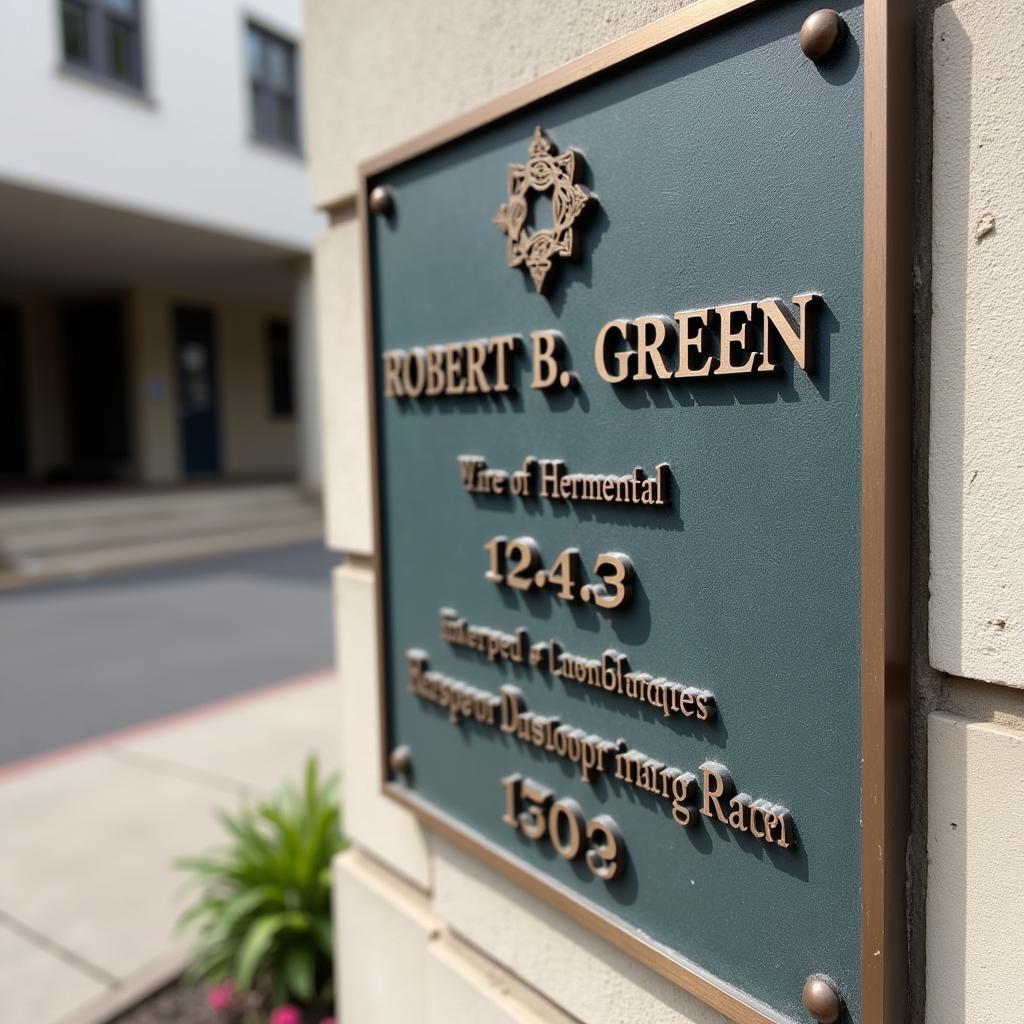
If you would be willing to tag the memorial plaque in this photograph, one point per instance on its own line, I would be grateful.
(638, 347)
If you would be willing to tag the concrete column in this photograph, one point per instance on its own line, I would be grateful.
(307, 380)
(151, 389)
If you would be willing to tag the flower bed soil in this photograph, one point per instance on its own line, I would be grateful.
(179, 1003)
(184, 1003)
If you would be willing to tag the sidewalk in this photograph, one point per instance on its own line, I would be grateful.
(89, 833)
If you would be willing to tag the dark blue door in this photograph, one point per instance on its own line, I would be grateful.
(197, 389)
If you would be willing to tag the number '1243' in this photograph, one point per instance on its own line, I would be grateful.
(517, 564)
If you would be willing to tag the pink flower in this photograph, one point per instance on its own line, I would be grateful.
(286, 1015)
(221, 998)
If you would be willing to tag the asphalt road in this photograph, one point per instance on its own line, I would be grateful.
(85, 658)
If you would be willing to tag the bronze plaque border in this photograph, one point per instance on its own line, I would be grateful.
(885, 504)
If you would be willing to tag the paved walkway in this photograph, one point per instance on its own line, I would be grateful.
(87, 894)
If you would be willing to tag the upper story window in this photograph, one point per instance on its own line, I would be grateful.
(103, 37)
(273, 84)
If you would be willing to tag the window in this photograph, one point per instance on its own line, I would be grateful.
(273, 84)
(279, 363)
(103, 37)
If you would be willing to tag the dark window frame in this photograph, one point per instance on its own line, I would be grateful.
(96, 64)
(280, 364)
(263, 93)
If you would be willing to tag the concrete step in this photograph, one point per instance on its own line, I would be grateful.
(84, 533)
(60, 508)
(74, 537)
(80, 564)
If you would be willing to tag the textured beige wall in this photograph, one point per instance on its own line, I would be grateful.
(977, 415)
(383, 928)
(397, 964)
(381, 71)
(344, 413)
(967, 877)
(463, 985)
(374, 823)
(307, 379)
(571, 965)
(975, 881)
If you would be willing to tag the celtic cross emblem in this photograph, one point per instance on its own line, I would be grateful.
(543, 172)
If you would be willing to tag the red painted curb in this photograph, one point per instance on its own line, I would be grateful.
(29, 764)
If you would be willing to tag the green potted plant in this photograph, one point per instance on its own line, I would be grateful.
(262, 914)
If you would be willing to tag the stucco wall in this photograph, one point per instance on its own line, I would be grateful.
(183, 150)
(969, 735)
(977, 474)
(975, 885)
(455, 55)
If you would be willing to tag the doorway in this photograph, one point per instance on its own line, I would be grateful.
(96, 380)
(196, 358)
(13, 430)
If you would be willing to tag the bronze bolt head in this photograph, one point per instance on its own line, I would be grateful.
(400, 761)
(822, 999)
(820, 33)
(382, 201)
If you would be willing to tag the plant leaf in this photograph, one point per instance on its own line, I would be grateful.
(300, 971)
(324, 935)
(256, 943)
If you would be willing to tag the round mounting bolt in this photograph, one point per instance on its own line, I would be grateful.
(400, 761)
(382, 201)
(821, 33)
(822, 999)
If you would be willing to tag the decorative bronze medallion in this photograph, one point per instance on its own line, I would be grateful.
(543, 172)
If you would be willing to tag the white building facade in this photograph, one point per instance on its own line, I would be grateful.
(155, 301)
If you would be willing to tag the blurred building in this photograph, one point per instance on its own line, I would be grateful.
(156, 317)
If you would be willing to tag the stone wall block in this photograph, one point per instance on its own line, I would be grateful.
(975, 928)
(976, 474)
(552, 953)
(344, 407)
(382, 931)
(372, 822)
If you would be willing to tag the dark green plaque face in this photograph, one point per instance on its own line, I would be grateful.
(720, 175)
